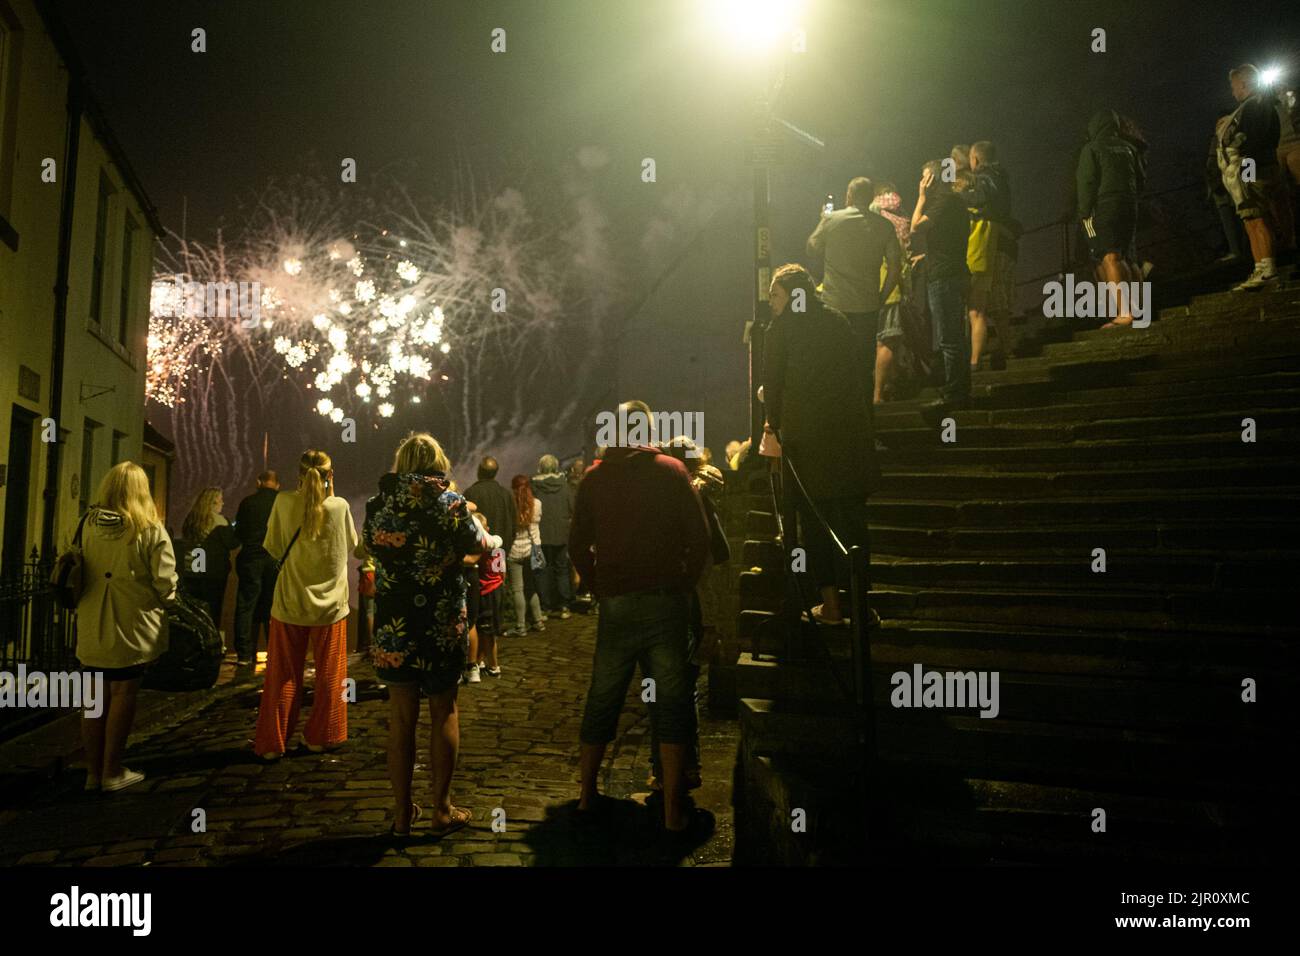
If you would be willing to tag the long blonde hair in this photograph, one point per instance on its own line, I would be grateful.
(202, 517)
(419, 453)
(313, 469)
(125, 490)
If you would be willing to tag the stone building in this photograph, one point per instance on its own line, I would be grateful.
(77, 235)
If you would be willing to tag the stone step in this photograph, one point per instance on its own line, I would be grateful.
(1279, 451)
(1090, 756)
(968, 484)
(1222, 503)
(984, 819)
(1126, 571)
(1193, 702)
(1271, 421)
(1265, 611)
(1208, 537)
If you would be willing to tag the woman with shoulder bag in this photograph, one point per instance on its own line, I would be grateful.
(128, 578)
(311, 534)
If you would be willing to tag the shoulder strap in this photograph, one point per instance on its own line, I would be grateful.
(76, 538)
(291, 544)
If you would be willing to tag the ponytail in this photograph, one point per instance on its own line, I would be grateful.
(312, 470)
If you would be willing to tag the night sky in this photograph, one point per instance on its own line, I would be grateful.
(411, 87)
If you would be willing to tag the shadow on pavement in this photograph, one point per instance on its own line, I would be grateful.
(624, 833)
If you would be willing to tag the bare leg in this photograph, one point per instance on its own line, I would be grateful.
(444, 748)
(473, 644)
(979, 333)
(884, 365)
(672, 757)
(92, 735)
(488, 648)
(589, 768)
(403, 713)
(1261, 239)
(1114, 270)
(121, 715)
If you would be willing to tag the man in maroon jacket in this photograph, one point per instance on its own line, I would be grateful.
(639, 536)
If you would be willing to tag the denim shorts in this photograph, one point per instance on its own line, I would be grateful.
(650, 629)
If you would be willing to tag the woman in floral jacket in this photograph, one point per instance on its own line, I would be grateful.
(417, 530)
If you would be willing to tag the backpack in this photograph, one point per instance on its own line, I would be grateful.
(68, 576)
(195, 649)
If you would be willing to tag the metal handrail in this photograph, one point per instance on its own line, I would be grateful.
(792, 494)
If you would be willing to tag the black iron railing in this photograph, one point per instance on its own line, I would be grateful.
(795, 505)
(34, 629)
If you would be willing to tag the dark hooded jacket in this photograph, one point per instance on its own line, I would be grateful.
(816, 399)
(1110, 168)
(556, 496)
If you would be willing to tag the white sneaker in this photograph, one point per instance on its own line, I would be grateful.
(128, 778)
(472, 675)
(1258, 279)
(565, 615)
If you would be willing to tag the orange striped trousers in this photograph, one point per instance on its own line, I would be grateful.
(286, 656)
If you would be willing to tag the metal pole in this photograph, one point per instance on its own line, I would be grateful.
(762, 311)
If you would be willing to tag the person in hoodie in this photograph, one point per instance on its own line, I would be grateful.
(418, 531)
(641, 539)
(129, 577)
(1109, 176)
(551, 488)
(819, 410)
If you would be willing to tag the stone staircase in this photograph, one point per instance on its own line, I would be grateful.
(1119, 690)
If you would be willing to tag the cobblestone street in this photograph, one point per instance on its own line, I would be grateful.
(519, 752)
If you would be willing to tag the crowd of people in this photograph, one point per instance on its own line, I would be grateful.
(435, 565)
(633, 533)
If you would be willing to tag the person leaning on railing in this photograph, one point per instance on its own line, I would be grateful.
(818, 404)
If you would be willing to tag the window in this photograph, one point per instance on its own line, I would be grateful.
(10, 50)
(101, 249)
(129, 230)
(87, 479)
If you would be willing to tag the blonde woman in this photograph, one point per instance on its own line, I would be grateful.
(207, 541)
(129, 576)
(311, 534)
(419, 530)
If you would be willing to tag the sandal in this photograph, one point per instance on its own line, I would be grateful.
(1119, 325)
(457, 822)
(416, 813)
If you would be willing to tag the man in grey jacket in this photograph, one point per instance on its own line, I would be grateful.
(551, 488)
(857, 246)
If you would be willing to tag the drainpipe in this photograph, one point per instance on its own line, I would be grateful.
(70, 151)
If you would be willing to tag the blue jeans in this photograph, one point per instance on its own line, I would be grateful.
(948, 312)
(647, 628)
(553, 580)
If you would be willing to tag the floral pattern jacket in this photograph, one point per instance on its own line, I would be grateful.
(417, 531)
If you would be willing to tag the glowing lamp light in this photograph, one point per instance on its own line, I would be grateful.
(752, 26)
(1270, 75)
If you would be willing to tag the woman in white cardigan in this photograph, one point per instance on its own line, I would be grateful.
(528, 517)
(129, 576)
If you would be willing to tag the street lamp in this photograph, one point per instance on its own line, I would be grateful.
(761, 31)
